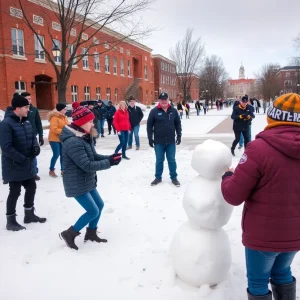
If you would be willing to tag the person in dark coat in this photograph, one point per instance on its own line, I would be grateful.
(180, 109)
(163, 122)
(267, 181)
(19, 148)
(135, 117)
(111, 110)
(102, 115)
(81, 162)
(242, 115)
(198, 107)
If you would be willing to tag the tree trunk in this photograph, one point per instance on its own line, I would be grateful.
(62, 91)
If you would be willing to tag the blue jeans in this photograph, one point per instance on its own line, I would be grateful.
(170, 151)
(241, 142)
(93, 204)
(56, 149)
(198, 112)
(135, 130)
(261, 266)
(100, 126)
(123, 137)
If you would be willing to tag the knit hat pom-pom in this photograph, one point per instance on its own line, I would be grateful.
(75, 105)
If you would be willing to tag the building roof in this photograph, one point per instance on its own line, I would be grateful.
(240, 81)
(286, 68)
(163, 58)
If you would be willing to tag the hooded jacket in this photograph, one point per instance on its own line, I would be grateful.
(80, 162)
(17, 140)
(267, 179)
(57, 123)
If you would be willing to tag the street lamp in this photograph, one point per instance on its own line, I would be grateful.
(298, 84)
(56, 51)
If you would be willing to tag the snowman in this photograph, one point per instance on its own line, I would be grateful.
(200, 250)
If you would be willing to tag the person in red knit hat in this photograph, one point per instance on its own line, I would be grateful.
(81, 162)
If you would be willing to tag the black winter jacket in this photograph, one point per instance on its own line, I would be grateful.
(17, 140)
(135, 115)
(111, 110)
(102, 111)
(163, 125)
(240, 118)
(80, 162)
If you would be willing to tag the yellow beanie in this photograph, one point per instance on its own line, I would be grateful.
(285, 110)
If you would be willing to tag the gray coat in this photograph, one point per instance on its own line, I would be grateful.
(80, 162)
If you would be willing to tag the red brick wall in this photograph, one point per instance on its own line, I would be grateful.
(26, 70)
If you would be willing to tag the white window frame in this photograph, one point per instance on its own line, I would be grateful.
(122, 67)
(98, 93)
(129, 68)
(97, 61)
(73, 32)
(71, 50)
(121, 50)
(107, 64)
(18, 42)
(74, 92)
(16, 12)
(87, 93)
(145, 73)
(57, 59)
(287, 74)
(115, 65)
(56, 26)
(19, 86)
(106, 45)
(85, 59)
(38, 20)
(38, 48)
(108, 93)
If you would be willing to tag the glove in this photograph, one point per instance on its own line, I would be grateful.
(178, 140)
(35, 151)
(115, 159)
(41, 140)
(151, 143)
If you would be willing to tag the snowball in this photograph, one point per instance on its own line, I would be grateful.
(200, 256)
(204, 204)
(211, 159)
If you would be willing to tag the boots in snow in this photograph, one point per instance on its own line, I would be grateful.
(30, 217)
(12, 223)
(91, 235)
(265, 297)
(284, 291)
(52, 174)
(69, 237)
(232, 152)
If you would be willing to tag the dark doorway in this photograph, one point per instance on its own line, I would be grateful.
(136, 71)
(139, 94)
(43, 92)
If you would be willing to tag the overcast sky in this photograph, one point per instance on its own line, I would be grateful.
(254, 32)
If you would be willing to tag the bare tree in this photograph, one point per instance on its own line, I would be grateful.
(187, 55)
(269, 86)
(213, 78)
(81, 23)
(297, 42)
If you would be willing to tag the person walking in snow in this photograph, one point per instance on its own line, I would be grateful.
(163, 122)
(102, 115)
(57, 120)
(198, 107)
(267, 181)
(187, 110)
(111, 110)
(81, 162)
(19, 147)
(180, 108)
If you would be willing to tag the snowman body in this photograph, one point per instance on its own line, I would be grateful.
(200, 250)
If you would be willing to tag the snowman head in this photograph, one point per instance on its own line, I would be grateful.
(211, 158)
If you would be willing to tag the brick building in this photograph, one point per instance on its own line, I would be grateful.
(289, 79)
(164, 76)
(193, 81)
(125, 68)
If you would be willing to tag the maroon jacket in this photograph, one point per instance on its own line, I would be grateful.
(267, 179)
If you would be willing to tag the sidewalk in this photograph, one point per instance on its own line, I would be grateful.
(224, 127)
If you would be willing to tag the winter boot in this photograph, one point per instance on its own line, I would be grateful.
(137, 147)
(12, 224)
(265, 297)
(52, 174)
(284, 291)
(69, 237)
(30, 217)
(156, 181)
(232, 152)
(129, 147)
(176, 182)
(91, 235)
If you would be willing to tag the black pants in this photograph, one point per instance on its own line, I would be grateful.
(15, 191)
(238, 136)
(257, 109)
(110, 125)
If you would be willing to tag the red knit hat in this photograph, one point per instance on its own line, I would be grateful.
(75, 105)
(82, 115)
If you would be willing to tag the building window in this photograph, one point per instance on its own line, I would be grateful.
(20, 87)
(97, 61)
(121, 50)
(122, 66)
(146, 97)
(145, 72)
(108, 94)
(71, 51)
(57, 59)
(38, 20)
(73, 32)
(107, 69)
(85, 59)
(17, 37)
(98, 93)
(106, 45)
(128, 68)
(15, 12)
(287, 74)
(84, 36)
(38, 48)
(161, 65)
(56, 26)
(74, 91)
(116, 95)
(87, 93)
(115, 65)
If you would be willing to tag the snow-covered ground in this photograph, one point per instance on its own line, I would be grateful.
(139, 222)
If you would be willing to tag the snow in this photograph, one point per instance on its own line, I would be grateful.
(139, 222)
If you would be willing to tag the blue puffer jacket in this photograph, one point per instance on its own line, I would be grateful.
(80, 162)
(16, 141)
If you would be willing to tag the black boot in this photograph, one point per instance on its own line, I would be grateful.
(284, 291)
(91, 235)
(12, 223)
(232, 152)
(30, 217)
(69, 237)
(265, 297)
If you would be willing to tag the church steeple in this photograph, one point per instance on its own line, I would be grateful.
(242, 72)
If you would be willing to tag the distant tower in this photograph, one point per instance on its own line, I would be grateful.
(242, 72)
